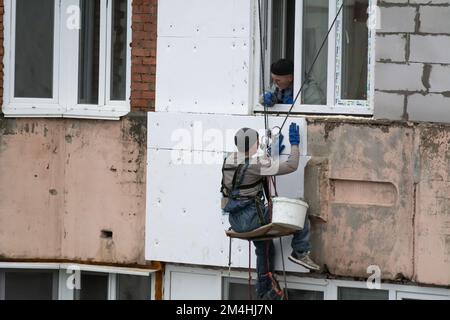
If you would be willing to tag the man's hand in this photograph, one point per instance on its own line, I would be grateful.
(294, 134)
(278, 141)
(288, 100)
(269, 99)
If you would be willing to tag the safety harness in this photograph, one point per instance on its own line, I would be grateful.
(233, 194)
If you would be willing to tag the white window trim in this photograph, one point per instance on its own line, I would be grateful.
(335, 105)
(420, 296)
(65, 75)
(371, 63)
(169, 269)
(18, 268)
(328, 286)
(226, 285)
(2, 286)
(17, 106)
(60, 290)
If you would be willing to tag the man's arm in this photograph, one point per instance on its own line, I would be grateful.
(278, 168)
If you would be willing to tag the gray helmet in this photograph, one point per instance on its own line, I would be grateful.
(245, 138)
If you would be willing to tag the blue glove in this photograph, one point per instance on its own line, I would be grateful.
(294, 134)
(278, 141)
(269, 99)
(288, 100)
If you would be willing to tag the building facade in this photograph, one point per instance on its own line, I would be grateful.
(97, 95)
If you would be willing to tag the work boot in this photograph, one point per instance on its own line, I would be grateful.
(304, 260)
(271, 287)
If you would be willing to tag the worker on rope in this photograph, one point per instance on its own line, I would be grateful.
(244, 184)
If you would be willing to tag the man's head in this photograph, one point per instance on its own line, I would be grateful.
(247, 140)
(282, 73)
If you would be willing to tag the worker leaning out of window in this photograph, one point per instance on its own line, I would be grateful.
(282, 91)
(244, 179)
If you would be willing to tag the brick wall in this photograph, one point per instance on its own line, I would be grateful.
(143, 54)
(143, 71)
(413, 60)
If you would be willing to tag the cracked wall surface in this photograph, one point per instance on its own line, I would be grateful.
(413, 61)
(382, 200)
(63, 182)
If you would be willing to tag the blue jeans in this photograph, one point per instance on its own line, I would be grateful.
(246, 219)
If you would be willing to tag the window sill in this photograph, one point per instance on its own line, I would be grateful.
(105, 113)
(318, 110)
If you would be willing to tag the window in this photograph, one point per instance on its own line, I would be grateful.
(362, 294)
(421, 296)
(93, 287)
(341, 79)
(53, 281)
(67, 58)
(104, 286)
(28, 285)
(298, 294)
(237, 289)
(131, 287)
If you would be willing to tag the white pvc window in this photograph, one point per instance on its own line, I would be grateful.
(234, 285)
(54, 281)
(106, 286)
(341, 81)
(67, 58)
(19, 284)
(420, 296)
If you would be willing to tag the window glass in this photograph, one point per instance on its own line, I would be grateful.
(240, 291)
(355, 46)
(315, 28)
(362, 294)
(93, 287)
(133, 287)
(89, 58)
(119, 50)
(283, 30)
(21, 285)
(295, 294)
(33, 69)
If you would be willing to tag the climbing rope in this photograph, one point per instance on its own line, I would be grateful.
(266, 120)
(312, 65)
(261, 42)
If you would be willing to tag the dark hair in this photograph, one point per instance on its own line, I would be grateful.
(245, 138)
(282, 67)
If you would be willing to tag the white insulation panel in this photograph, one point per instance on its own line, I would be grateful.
(204, 18)
(199, 132)
(203, 54)
(194, 75)
(185, 223)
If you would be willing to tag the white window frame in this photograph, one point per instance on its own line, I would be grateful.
(112, 272)
(420, 296)
(14, 267)
(301, 282)
(170, 269)
(230, 280)
(335, 105)
(61, 275)
(65, 69)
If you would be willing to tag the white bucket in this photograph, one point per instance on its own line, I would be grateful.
(289, 212)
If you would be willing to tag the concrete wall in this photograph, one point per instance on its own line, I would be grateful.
(413, 61)
(381, 192)
(62, 182)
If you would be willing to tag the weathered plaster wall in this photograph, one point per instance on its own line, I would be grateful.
(384, 194)
(64, 181)
(432, 224)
